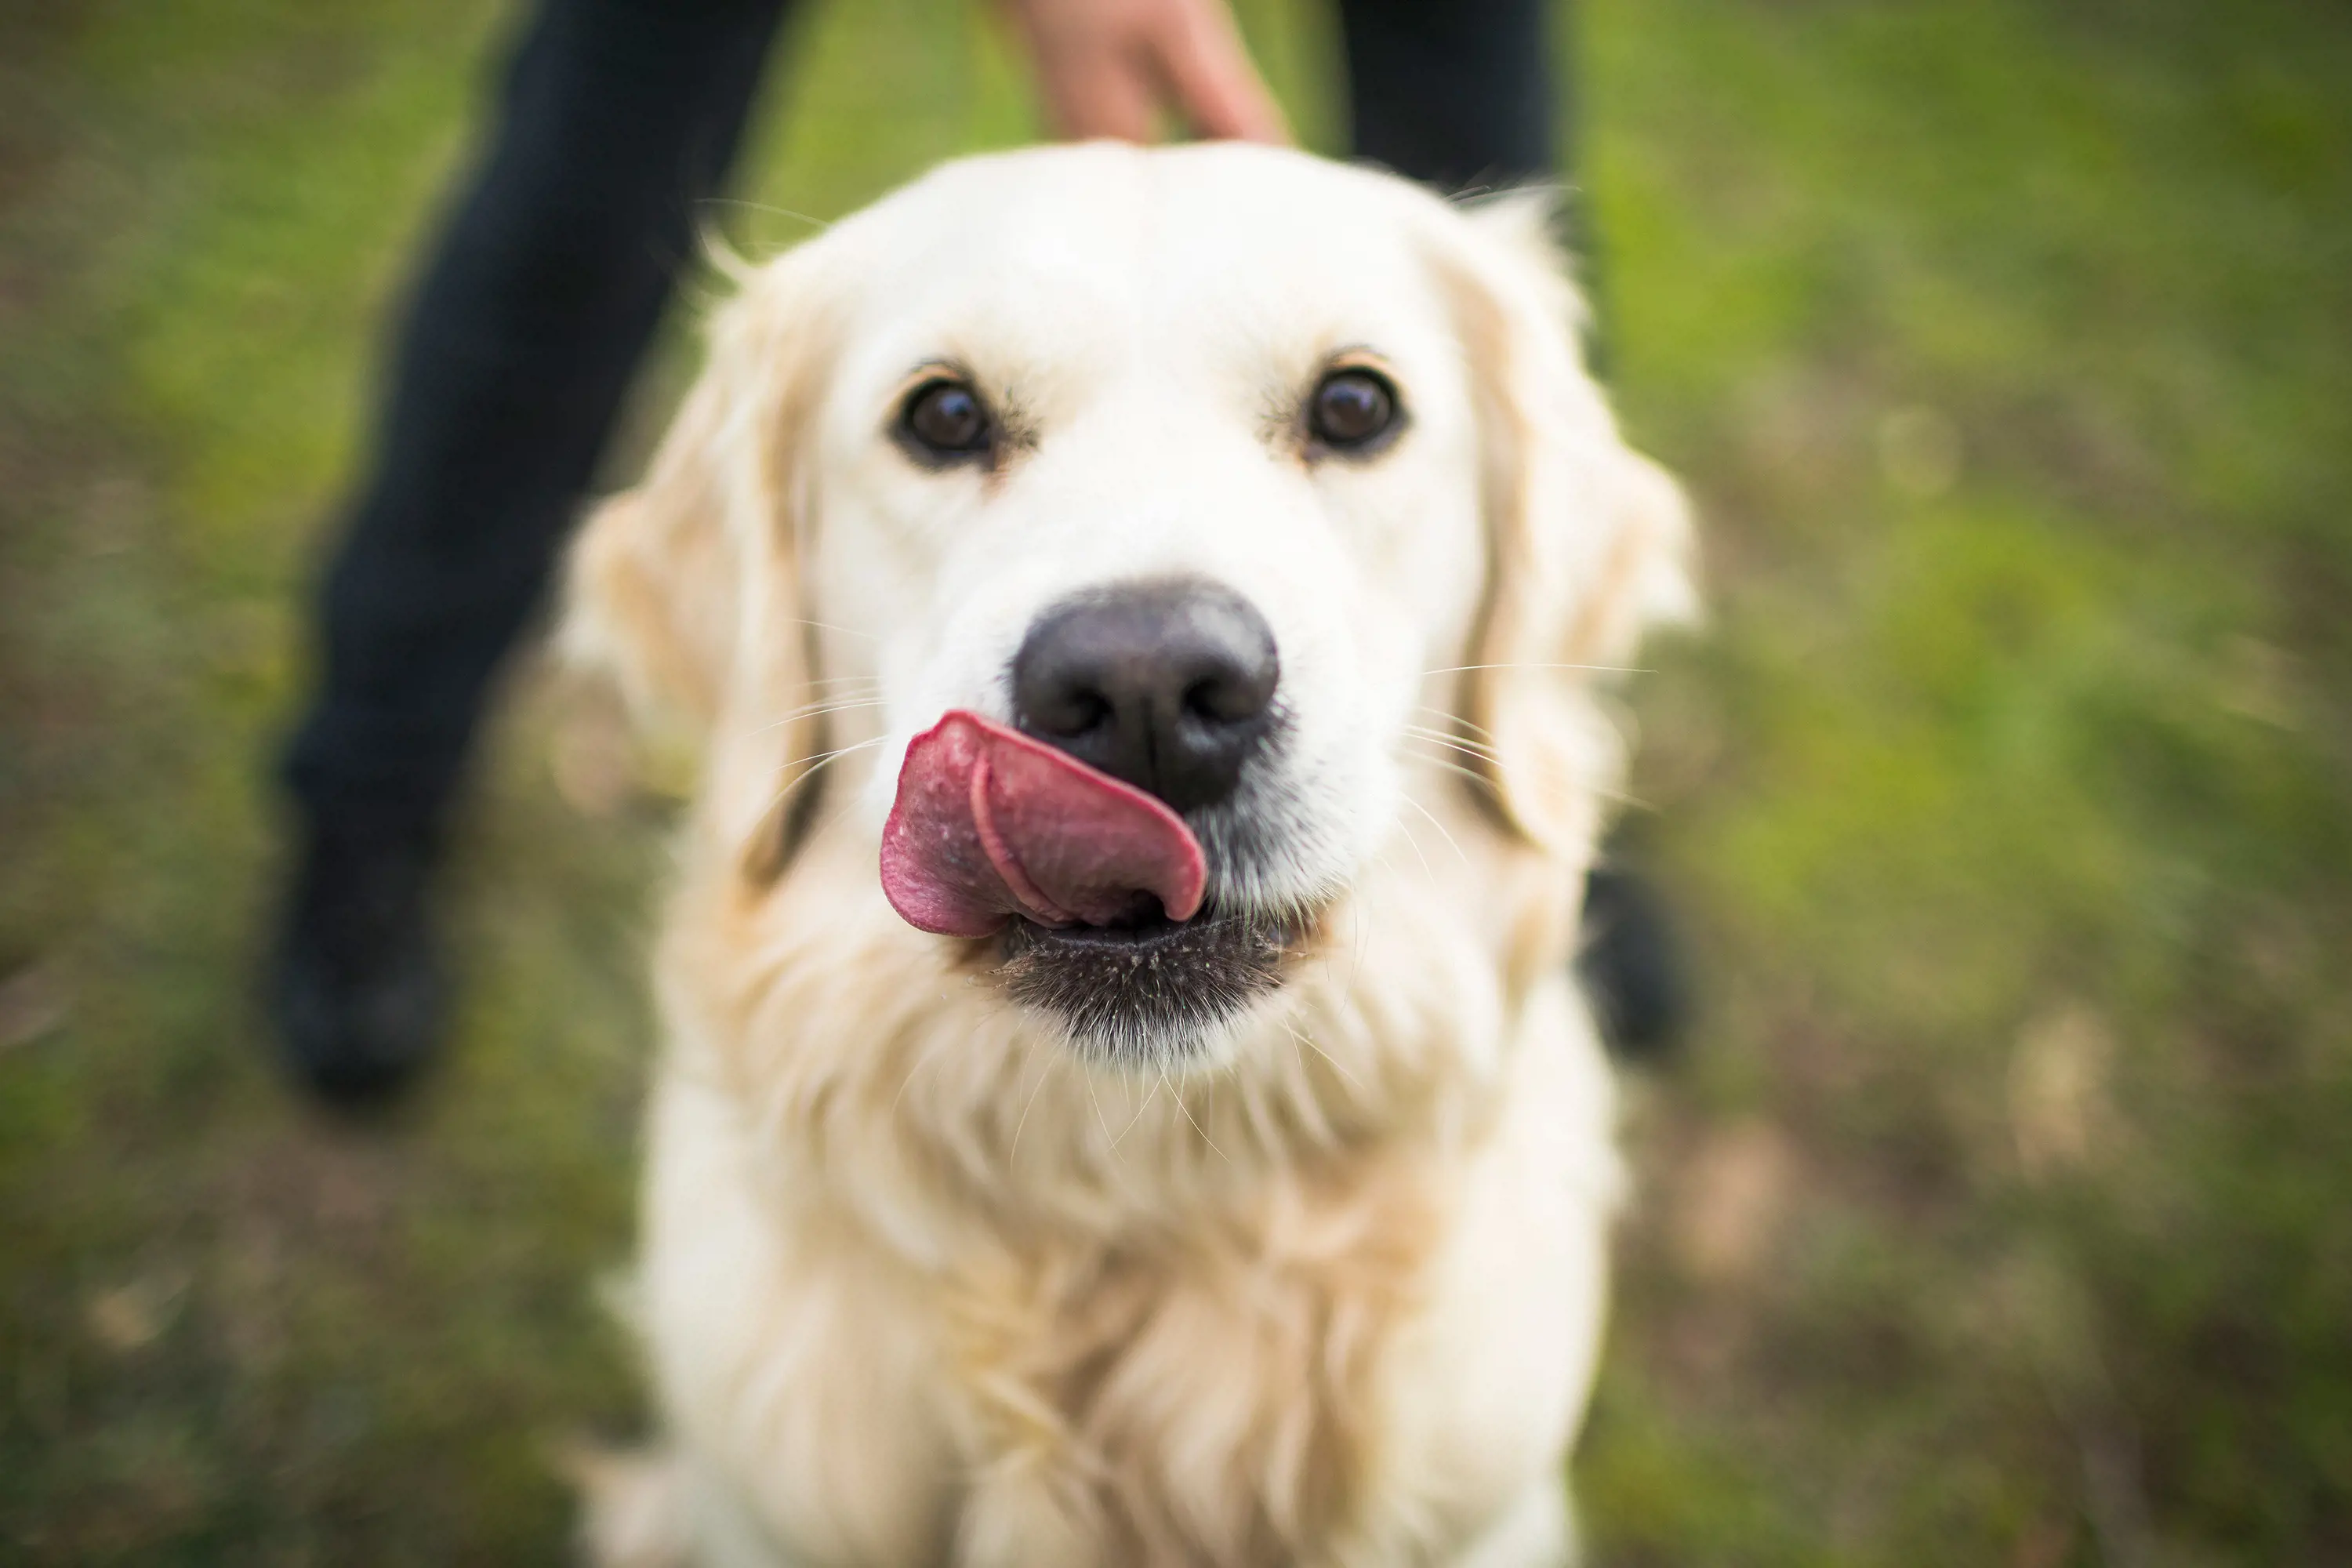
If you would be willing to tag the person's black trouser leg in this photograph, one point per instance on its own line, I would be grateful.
(1469, 95)
(1459, 93)
(517, 350)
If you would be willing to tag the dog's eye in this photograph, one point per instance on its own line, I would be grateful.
(945, 421)
(1352, 409)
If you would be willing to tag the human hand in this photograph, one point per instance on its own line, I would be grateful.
(1107, 67)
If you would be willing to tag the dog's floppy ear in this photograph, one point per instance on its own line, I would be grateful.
(685, 591)
(1588, 541)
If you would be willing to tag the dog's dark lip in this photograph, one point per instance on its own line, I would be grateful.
(1142, 935)
(1148, 936)
(1150, 989)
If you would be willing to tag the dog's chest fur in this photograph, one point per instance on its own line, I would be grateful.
(925, 1290)
(1209, 1397)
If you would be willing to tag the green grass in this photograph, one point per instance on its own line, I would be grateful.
(1996, 1216)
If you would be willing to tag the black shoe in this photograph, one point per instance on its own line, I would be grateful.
(1632, 967)
(357, 988)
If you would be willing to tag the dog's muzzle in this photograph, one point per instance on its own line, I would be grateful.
(1067, 837)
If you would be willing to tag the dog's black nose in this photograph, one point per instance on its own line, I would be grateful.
(1167, 684)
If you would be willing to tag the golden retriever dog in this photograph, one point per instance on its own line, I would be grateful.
(1145, 616)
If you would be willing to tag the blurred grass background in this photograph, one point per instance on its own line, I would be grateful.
(1998, 1215)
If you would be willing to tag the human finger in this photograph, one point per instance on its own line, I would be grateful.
(1211, 76)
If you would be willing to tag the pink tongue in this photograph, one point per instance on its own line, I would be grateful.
(990, 824)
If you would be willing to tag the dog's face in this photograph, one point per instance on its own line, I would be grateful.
(1217, 469)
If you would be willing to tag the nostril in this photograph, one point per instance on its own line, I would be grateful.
(1210, 699)
(1238, 687)
(1079, 712)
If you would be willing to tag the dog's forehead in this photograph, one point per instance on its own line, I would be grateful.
(1200, 248)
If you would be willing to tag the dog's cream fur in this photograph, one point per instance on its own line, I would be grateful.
(922, 1282)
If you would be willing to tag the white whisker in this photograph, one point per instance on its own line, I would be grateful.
(1326, 1055)
(1187, 1110)
(1406, 829)
(1441, 732)
(1100, 1121)
(1437, 824)
(1139, 1114)
(816, 764)
(813, 710)
(1472, 748)
(1454, 719)
(1048, 1061)
(824, 757)
(829, 627)
(1481, 780)
(1348, 992)
(1443, 761)
(921, 1061)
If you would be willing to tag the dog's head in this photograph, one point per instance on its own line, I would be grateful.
(1122, 534)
